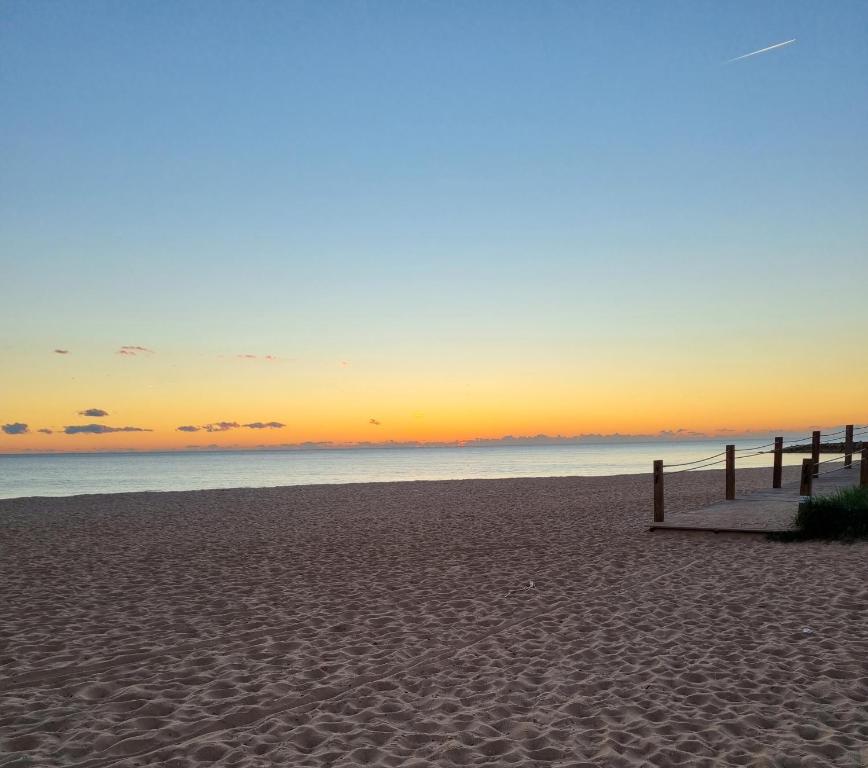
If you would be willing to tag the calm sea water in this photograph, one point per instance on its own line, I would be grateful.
(70, 474)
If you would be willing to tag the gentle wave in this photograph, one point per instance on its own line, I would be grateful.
(71, 474)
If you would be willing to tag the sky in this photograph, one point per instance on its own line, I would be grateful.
(375, 221)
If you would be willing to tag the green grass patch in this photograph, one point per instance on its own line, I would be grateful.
(843, 516)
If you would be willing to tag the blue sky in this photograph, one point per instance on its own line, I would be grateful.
(392, 181)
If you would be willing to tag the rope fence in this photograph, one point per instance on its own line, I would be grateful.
(810, 467)
(830, 471)
(758, 453)
(691, 469)
(754, 447)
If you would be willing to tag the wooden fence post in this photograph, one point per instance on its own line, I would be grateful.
(730, 472)
(807, 472)
(777, 472)
(815, 452)
(848, 446)
(658, 491)
(863, 469)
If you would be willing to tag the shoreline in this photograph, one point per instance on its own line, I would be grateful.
(125, 477)
(330, 485)
(237, 488)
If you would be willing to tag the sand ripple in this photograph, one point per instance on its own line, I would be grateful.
(503, 622)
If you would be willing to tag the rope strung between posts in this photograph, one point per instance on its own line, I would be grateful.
(791, 440)
(830, 471)
(755, 447)
(809, 438)
(691, 469)
(696, 461)
(758, 450)
(836, 457)
(799, 441)
(833, 434)
(758, 453)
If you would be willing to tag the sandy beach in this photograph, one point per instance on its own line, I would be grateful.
(488, 622)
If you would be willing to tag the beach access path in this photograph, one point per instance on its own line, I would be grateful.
(762, 510)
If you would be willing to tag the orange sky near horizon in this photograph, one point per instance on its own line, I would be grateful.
(449, 400)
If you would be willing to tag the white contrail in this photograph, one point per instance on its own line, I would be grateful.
(762, 50)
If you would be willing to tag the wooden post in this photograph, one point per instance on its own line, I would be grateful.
(777, 472)
(863, 469)
(807, 470)
(730, 472)
(658, 491)
(848, 446)
(815, 452)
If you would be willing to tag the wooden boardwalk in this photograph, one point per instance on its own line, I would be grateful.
(761, 511)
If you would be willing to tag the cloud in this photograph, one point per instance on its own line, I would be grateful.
(93, 412)
(257, 357)
(46, 431)
(681, 432)
(221, 426)
(671, 436)
(374, 422)
(99, 429)
(15, 428)
(62, 351)
(307, 445)
(225, 426)
(132, 351)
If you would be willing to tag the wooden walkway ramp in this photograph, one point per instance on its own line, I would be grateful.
(759, 512)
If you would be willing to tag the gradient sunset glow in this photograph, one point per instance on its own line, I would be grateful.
(349, 223)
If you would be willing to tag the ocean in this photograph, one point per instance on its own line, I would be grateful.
(72, 474)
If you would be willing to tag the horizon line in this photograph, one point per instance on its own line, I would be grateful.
(536, 441)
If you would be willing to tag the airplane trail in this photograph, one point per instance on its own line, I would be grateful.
(762, 50)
